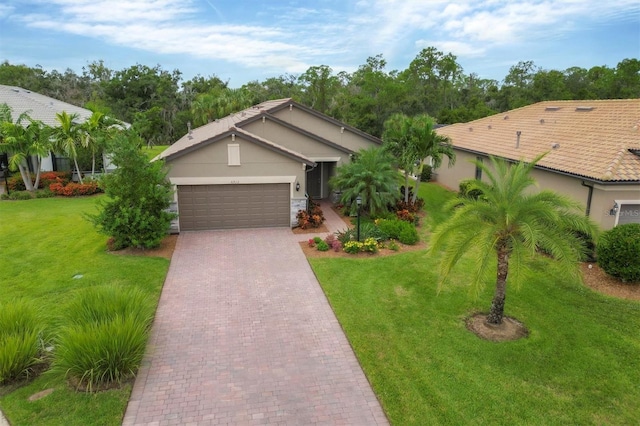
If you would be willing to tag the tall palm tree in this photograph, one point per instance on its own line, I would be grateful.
(512, 224)
(371, 176)
(412, 139)
(427, 143)
(24, 138)
(95, 131)
(67, 137)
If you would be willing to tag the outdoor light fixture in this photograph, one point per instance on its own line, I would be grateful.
(297, 186)
(359, 203)
(614, 210)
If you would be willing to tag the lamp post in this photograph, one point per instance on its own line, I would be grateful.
(4, 174)
(359, 203)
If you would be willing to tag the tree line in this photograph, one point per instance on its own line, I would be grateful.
(161, 106)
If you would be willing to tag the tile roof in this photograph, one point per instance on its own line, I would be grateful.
(218, 127)
(37, 106)
(596, 139)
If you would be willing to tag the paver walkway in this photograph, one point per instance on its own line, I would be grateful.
(245, 335)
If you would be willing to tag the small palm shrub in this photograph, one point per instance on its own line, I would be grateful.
(102, 341)
(20, 340)
(618, 252)
(467, 189)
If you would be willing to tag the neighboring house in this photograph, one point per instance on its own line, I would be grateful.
(256, 168)
(593, 152)
(43, 108)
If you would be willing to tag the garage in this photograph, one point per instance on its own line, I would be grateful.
(203, 207)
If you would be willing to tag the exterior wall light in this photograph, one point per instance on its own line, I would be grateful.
(297, 186)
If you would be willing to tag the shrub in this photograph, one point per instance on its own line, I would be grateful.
(103, 340)
(393, 227)
(619, 252)
(393, 245)
(20, 340)
(311, 242)
(73, 189)
(44, 193)
(409, 235)
(346, 235)
(47, 178)
(412, 207)
(322, 246)
(15, 183)
(467, 190)
(370, 245)
(352, 247)
(18, 196)
(139, 195)
(336, 245)
(427, 171)
(101, 354)
(406, 216)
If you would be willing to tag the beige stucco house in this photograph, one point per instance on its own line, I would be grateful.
(257, 167)
(593, 152)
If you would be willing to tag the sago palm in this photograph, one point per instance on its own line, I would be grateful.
(510, 224)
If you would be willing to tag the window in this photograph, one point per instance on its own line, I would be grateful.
(233, 152)
(478, 169)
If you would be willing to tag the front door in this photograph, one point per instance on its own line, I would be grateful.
(314, 182)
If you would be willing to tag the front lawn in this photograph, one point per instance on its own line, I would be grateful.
(579, 364)
(49, 251)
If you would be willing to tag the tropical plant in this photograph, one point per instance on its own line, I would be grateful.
(136, 214)
(619, 252)
(512, 224)
(20, 340)
(411, 140)
(371, 176)
(24, 138)
(68, 137)
(96, 130)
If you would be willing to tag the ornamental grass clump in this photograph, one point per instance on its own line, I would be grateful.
(102, 341)
(21, 345)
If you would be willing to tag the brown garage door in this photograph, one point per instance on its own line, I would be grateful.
(233, 206)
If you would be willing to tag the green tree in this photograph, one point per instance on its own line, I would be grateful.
(512, 224)
(22, 139)
(96, 131)
(67, 137)
(371, 176)
(411, 140)
(139, 195)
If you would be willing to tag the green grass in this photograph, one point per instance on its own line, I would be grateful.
(154, 150)
(579, 365)
(49, 253)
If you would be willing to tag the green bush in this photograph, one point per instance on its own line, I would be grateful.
(103, 337)
(467, 189)
(20, 340)
(101, 354)
(618, 252)
(139, 195)
(367, 230)
(400, 230)
(18, 196)
(322, 246)
(352, 247)
(427, 171)
(409, 235)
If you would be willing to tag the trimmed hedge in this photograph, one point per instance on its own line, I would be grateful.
(618, 252)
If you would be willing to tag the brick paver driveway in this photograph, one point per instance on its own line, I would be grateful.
(244, 335)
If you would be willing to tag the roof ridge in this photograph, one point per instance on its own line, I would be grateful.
(614, 164)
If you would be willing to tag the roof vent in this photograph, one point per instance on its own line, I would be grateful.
(506, 117)
(518, 133)
(542, 121)
(552, 108)
(584, 108)
(471, 129)
(555, 145)
(489, 127)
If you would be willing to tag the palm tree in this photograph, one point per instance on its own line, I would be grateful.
(67, 137)
(95, 131)
(371, 176)
(412, 139)
(513, 224)
(24, 138)
(397, 137)
(427, 143)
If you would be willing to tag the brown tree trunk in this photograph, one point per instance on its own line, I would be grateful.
(497, 305)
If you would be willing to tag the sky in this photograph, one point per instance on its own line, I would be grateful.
(246, 40)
